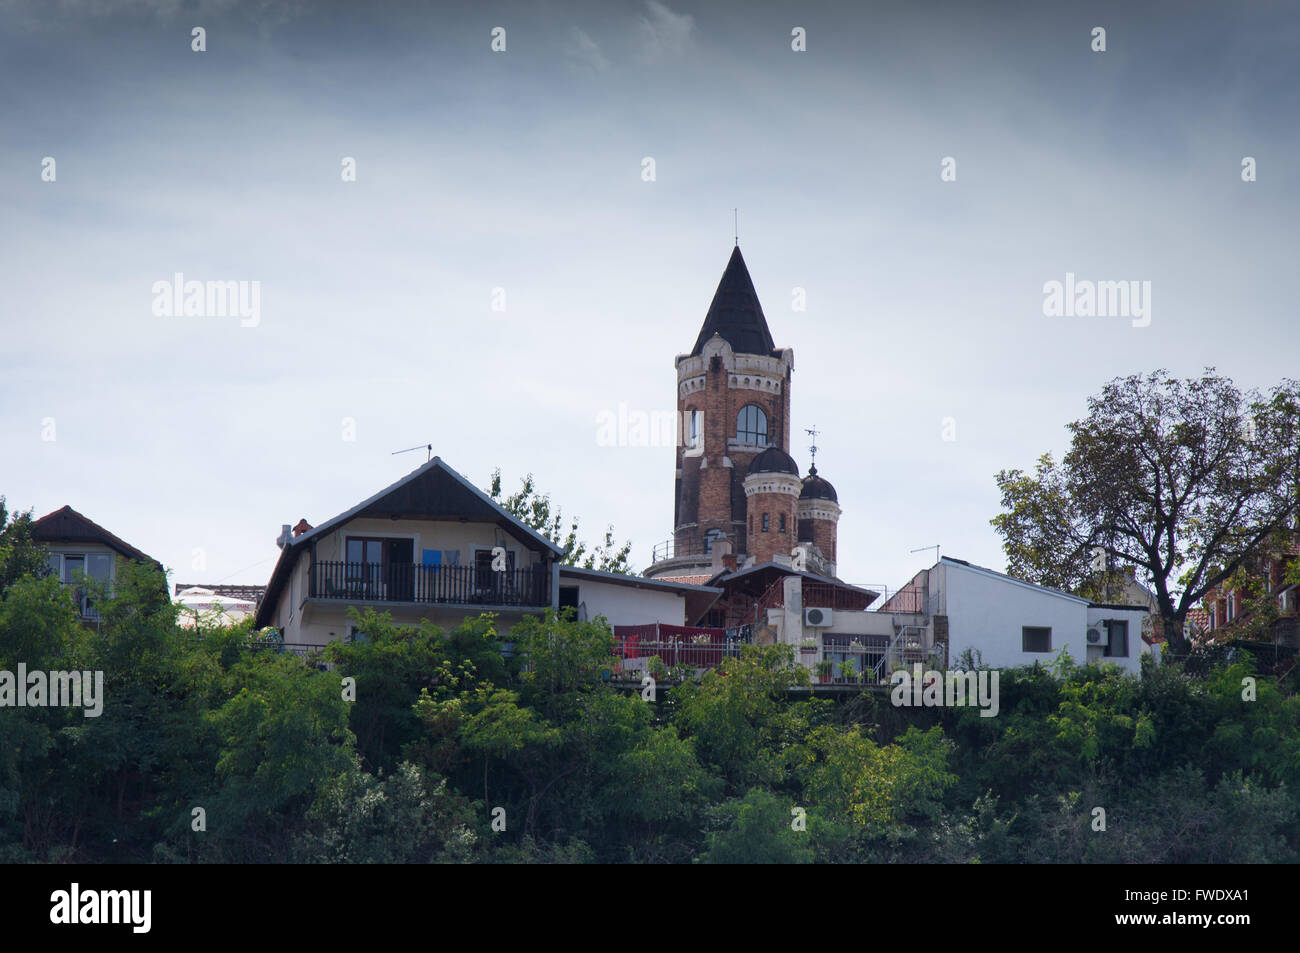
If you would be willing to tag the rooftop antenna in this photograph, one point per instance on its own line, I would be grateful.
(427, 446)
(935, 547)
(813, 432)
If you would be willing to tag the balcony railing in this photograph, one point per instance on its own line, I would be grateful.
(693, 647)
(674, 548)
(834, 597)
(910, 600)
(416, 583)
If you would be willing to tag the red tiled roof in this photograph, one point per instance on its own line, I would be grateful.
(689, 580)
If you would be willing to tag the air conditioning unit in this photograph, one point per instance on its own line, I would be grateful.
(819, 618)
(1098, 635)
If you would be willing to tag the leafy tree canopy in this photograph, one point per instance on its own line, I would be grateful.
(1184, 480)
(537, 511)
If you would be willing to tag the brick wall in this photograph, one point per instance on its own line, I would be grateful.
(710, 494)
(763, 546)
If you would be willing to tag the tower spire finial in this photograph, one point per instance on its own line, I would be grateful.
(813, 432)
(736, 221)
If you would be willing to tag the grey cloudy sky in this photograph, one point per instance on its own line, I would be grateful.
(522, 170)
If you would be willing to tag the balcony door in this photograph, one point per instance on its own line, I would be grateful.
(381, 568)
(399, 556)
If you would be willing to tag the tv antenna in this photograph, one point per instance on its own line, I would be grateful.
(427, 446)
(935, 547)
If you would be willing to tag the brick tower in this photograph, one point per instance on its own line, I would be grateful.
(733, 390)
(819, 517)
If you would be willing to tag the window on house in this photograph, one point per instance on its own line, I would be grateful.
(781, 522)
(364, 550)
(74, 569)
(1118, 642)
(1035, 638)
(751, 425)
(98, 569)
(693, 428)
(765, 522)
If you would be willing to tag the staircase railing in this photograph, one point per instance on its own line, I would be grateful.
(907, 647)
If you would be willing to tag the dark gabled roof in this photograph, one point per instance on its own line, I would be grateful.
(638, 582)
(773, 460)
(768, 570)
(69, 526)
(433, 491)
(735, 313)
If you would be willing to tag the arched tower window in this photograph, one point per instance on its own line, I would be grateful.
(751, 425)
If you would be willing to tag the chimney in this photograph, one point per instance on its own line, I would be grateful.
(721, 550)
(302, 526)
(729, 562)
(285, 536)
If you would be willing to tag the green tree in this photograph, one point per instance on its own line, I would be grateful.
(758, 830)
(885, 792)
(404, 817)
(1183, 479)
(20, 554)
(742, 720)
(537, 511)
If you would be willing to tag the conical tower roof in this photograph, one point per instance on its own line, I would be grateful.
(735, 313)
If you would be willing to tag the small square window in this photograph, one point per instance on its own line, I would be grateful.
(1035, 639)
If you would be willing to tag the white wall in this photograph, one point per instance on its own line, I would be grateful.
(988, 613)
(627, 605)
(788, 621)
(1136, 647)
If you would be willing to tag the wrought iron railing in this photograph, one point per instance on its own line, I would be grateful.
(694, 647)
(910, 600)
(409, 582)
(834, 597)
(673, 548)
